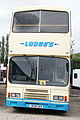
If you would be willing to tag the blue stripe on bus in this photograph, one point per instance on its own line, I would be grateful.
(37, 100)
(46, 105)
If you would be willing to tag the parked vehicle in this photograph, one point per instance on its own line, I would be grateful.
(39, 58)
(76, 78)
(3, 74)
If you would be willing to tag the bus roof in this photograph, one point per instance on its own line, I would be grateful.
(41, 8)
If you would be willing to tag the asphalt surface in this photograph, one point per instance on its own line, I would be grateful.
(9, 113)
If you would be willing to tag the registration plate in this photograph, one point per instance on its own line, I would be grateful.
(36, 106)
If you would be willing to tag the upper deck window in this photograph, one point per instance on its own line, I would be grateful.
(41, 21)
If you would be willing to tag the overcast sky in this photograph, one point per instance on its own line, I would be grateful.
(7, 7)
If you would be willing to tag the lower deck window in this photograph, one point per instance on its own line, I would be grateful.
(37, 70)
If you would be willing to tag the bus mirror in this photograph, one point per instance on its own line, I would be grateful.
(71, 56)
(72, 64)
(5, 62)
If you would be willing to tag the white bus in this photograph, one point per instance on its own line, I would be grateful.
(39, 59)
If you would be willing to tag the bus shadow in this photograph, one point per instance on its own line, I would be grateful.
(40, 112)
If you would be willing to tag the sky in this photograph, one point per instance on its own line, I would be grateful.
(8, 6)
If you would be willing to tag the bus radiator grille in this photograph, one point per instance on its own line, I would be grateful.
(36, 94)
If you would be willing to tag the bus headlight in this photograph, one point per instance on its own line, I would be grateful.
(61, 98)
(18, 95)
(55, 97)
(15, 95)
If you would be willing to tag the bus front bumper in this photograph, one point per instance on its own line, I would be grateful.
(42, 104)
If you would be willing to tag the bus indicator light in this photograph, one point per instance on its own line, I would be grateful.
(8, 94)
(65, 98)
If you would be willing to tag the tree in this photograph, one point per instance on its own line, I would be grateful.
(2, 49)
(76, 57)
(7, 46)
(72, 44)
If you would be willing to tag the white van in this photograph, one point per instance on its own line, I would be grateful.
(76, 78)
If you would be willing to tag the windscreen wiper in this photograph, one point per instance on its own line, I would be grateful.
(32, 68)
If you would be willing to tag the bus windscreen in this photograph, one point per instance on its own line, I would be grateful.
(39, 70)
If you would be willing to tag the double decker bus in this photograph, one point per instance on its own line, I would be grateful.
(38, 74)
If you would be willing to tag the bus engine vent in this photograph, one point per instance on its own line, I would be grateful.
(36, 94)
